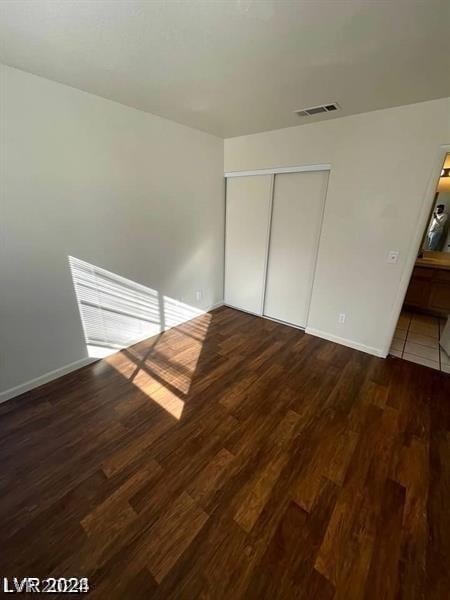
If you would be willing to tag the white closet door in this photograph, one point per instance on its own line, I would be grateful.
(246, 240)
(296, 222)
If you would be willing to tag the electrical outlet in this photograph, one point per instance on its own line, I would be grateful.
(198, 295)
(341, 318)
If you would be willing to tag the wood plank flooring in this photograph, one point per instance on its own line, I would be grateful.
(232, 457)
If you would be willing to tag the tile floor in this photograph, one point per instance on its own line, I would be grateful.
(416, 339)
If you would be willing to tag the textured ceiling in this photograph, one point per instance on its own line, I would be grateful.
(236, 66)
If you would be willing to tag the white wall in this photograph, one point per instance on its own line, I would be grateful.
(382, 163)
(130, 192)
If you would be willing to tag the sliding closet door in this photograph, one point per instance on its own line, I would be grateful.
(246, 240)
(296, 221)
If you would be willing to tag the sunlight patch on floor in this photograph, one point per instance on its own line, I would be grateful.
(117, 312)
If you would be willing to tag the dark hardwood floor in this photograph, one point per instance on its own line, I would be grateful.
(232, 457)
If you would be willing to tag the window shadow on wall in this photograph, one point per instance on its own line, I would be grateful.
(117, 312)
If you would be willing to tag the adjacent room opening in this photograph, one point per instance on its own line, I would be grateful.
(422, 334)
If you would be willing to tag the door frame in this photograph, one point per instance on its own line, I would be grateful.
(279, 170)
(415, 244)
(273, 172)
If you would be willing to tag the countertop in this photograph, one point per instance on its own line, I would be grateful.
(434, 260)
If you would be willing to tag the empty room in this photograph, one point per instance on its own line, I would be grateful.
(225, 299)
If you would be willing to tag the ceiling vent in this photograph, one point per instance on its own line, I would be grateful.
(316, 110)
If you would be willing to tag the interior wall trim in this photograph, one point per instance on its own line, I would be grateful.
(45, 378)
(322, 334)
(278, 170)
(346, 342)
(31, 384)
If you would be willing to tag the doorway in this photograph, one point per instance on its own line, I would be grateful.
(422, 334)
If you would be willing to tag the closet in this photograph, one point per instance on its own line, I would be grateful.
(248, 211)
(273, 224)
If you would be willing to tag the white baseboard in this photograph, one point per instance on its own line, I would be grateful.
(45, 378)
(64, 370)
(216, 305)
(345, 342)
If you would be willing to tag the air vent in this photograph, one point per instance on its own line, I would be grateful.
(316, 110)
